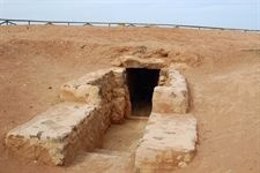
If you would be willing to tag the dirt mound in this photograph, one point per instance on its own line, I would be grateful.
(177, 56)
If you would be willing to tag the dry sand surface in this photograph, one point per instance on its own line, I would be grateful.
(222, 68)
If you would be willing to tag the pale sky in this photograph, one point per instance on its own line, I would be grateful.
(222, 13)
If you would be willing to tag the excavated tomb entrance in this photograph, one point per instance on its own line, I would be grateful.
(87, 125)
(141, 83)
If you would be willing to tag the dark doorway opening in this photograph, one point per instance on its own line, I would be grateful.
(141, 83)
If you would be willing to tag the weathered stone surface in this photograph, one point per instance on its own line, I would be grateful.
(169, 142)
(87, 88)
(130, 61)
(119, 76)
(106, 88)
(55, 136)
(118, 110)
(177, 80)
(169, 100)
(82, 93)
(121, 106)
(173, 96)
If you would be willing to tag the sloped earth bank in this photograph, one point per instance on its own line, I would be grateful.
(222, 68)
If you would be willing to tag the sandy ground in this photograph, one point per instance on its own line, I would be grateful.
(124, 137)
(222, 68)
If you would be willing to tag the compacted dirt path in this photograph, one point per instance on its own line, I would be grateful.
(222, 68)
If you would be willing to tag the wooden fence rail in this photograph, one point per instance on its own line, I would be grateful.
(112, 24)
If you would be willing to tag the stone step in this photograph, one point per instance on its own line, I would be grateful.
(103, 161)
(169, 142)
(55, 136)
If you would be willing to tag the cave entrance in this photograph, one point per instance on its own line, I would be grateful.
(141, 83)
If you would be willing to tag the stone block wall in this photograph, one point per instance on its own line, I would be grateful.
(90, 105)
(105, 88)
(172, 96)
(55, 136)
(170, 137)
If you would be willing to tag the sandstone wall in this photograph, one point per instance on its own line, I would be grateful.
(170, 137)
(172, 96)
(105, 88)
(168, 143)
(91, 103)
(55, 136)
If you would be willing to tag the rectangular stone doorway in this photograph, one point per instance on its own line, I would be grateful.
(141, 83)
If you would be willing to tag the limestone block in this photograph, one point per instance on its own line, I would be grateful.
(93, 78)
(55, 136)
(88, 88)
(130, 61)
(121, 107)
(119, 76)
(176, 80)
(170, 100)
(105, 88)
(128, 109)
(119, 92)
(118, 110)
(83, 93)
(172, 95)
(169, 142)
